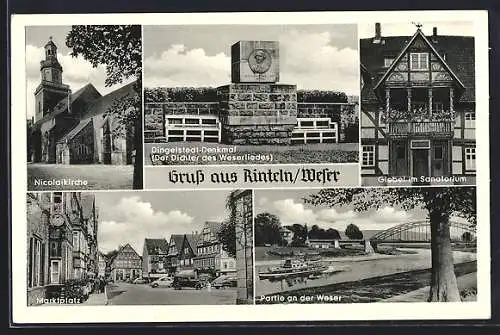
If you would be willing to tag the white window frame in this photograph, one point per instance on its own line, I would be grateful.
(53, 265)
(37, 262)
(368, 152)
(470, 120)
(470, 159)
(422, 61)
(388, 61)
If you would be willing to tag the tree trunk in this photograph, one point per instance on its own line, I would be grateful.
(443, 280)
(139, 157)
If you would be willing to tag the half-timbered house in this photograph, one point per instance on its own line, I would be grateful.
(418, 109)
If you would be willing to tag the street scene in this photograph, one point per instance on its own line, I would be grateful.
(84, 112)
(317, 247)
(117, 248)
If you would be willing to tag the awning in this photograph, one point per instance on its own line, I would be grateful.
(186, 273)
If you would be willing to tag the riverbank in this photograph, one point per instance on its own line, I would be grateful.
(352, 269)
(466, 283)
(403, 287)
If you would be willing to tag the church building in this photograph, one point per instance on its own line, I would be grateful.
(77, 127)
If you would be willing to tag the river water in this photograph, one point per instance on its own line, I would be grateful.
(352, 269)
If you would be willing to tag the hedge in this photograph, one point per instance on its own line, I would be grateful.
(209, 94)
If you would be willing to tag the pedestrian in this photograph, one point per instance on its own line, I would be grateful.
(103, 285)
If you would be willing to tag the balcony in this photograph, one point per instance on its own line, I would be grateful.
(421, 128)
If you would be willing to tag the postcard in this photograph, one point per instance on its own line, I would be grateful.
(197, 167)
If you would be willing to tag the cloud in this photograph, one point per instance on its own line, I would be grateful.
(134, 220)
(291, 212)
(390, 214)
(178, 66)
(311, 61)
(331, 215)
(306, 59)
(77, 72)
(263, 201)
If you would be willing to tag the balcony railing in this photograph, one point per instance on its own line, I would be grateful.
(427, 128)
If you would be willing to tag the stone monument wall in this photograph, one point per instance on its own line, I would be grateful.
(257, 113)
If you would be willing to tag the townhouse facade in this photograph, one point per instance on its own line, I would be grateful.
(154, 256)
(174, 250)
(62, 239)
(188, 251)
(417, 109)
(210, 255)
(126, 265)
(101, 265)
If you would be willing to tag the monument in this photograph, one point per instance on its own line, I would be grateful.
(255, 108)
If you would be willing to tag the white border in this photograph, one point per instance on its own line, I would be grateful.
(481, 309)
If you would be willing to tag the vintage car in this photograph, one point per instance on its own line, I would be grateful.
(224, 281)
(140, 281)
(188, 279)
(165, 281)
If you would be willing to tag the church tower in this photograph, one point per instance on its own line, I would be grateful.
(51, 89)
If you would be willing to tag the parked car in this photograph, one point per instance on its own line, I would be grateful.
(54, 291)
(140, 281)
(165, 281)
(181, 281)
(224, 281)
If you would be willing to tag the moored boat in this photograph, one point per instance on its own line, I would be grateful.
(293, 268)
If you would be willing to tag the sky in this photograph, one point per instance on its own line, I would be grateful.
(127, 217)
(311, 56)
(290, 208)
(408, 28)
(77, 72)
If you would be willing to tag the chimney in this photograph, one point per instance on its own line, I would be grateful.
(378, 34)
(434, 31)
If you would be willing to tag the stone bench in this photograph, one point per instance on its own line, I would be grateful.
(315, 130)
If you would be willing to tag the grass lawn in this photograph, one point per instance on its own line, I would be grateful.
(272, 154)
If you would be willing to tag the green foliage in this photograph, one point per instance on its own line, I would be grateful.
(319, 233)
(117, 47)
(180, 94)
(320, 96)
(352, 231)
(227, 233)
(209, 94)
(267, 229)
(227, 237)
(459, 201)
(157, 94)
(299, 235)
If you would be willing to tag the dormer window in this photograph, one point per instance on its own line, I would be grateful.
(419, 61)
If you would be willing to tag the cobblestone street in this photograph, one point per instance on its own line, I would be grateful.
(143, 294)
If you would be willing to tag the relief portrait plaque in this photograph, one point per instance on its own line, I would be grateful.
(260, 61)
(255, 62)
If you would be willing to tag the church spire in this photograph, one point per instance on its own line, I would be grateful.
(50, 68)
